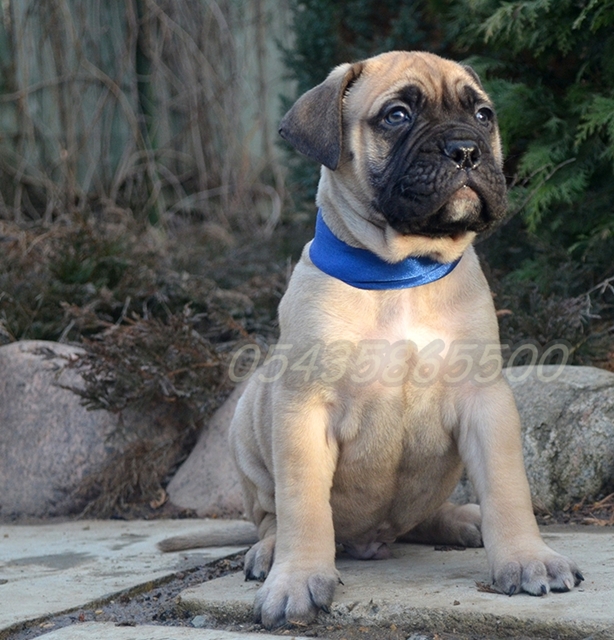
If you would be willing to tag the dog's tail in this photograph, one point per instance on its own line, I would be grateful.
(227, 533)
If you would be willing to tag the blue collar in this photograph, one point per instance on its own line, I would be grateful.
(364, 270)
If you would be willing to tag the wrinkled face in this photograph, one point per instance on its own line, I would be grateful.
(422, 133)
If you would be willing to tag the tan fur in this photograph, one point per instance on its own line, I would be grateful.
(365, 464)
(221, 534)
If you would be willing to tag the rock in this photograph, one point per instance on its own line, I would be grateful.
(49, 442)
(200, 622)
(208, 481)
(567, 416)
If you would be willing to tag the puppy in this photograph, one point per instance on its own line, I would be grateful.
(386, 379)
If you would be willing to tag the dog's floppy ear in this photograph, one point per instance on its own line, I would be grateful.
(313, 125)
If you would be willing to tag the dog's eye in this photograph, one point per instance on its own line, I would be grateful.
(484, 115)
(397, 115)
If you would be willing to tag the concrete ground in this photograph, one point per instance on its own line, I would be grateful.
(49, 569)
(98, 631)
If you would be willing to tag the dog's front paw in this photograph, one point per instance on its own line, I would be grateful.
(536, 573)
(291, 596)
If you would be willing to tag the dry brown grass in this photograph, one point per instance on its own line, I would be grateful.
(157, 328)
(590, 512)
(134, 105)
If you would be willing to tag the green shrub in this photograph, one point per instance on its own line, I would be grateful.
(550, 68)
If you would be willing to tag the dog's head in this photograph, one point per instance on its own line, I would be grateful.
(414, 138)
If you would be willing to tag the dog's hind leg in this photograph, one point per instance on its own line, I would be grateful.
(450, 524)
(259, 558)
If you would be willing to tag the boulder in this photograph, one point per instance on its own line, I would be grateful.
(567, 416)
(50, 444)
(207, 481)
(48, 440)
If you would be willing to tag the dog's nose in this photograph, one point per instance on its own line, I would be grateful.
(465, 153)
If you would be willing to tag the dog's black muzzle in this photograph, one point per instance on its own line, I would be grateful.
(446, 183)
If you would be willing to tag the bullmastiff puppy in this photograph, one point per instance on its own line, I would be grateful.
(386, 379)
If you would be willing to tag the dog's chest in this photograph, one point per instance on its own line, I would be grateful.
(396, 450)
(389, 392)
(406, 316)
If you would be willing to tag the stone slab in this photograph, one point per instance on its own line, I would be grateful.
(438, 590)
(51, 568)
(108, 631)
